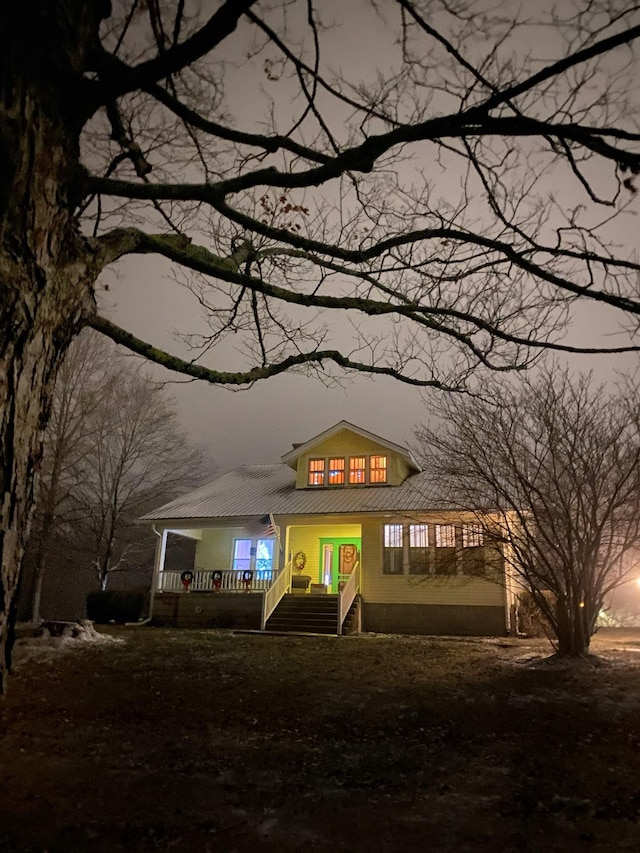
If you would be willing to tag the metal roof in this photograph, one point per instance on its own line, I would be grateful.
(261, 489)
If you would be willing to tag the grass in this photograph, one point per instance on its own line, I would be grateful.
(210, 741)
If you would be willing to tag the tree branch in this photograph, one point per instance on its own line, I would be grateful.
(249, 377)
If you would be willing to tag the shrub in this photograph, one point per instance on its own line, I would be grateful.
(115, 606)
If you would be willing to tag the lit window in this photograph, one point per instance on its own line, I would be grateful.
(316, 472)
(255, 555)
(357, 469)
(264, 559)
(418, 536)
(445, 536)
(392, 551)
(336, 472)
(418, 549)
(471, 536)
(377, 469)
(242, 554)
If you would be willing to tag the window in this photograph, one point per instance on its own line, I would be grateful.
(340, 470)
(264, 559)
(316, 472)
(472, 556)
(471, 536)
(336, 472)
(254, 555)
(377, 469)
(392, 551)
(445, 536)
(418, 549)
(242, 554)
(357, 469)
(445, 551)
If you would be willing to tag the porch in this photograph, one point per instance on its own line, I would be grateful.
(222, 598)
(322, 569)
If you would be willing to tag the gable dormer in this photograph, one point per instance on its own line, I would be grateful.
(346, 456)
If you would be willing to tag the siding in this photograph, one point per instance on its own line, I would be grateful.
(215, 549)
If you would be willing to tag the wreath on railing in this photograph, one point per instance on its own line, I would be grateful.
(299, 561)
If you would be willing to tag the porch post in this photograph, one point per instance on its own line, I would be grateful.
(158, 566)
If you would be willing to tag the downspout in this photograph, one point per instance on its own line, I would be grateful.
(159, 560)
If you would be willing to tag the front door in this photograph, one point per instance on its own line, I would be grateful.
(338, 559)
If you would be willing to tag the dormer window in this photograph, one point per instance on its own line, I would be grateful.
(357, 470)
(377, 469)
(347, 470)
(336, 472)
(316, 472)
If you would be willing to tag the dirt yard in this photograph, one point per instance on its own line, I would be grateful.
(210, 741)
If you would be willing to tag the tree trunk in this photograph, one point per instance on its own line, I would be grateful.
(46, 273)
(573, 631)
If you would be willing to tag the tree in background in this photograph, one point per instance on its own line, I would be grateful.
(140, 457)
(552, 470)
(419, 196)
(113, 448)
(67, 440)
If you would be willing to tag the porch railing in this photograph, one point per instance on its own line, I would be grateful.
(231, 581)
(275, 593)
(347, 595)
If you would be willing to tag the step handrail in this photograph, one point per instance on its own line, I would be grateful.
(275, 593)
(347, 595)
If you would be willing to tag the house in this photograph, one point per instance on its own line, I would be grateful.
(345, 533)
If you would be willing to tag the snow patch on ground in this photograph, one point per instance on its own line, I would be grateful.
(47, 643)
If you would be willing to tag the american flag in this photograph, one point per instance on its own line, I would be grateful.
(268, 525)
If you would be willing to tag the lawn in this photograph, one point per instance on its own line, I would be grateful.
(203, 740)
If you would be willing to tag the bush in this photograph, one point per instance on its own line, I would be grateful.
(115, 606)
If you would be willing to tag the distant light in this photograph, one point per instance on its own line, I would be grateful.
(581, 604)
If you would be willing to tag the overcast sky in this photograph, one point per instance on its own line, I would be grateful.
(260, 424)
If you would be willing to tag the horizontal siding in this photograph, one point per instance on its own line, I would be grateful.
(214, 550)
(409, 589)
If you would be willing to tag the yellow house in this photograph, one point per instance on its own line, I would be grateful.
(344, 534)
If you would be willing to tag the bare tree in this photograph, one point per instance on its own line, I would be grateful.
(67, 440)
(113, 448)
(552, 471)
(421, 192)
(139, 457)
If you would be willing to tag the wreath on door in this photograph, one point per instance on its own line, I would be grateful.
(299, 561)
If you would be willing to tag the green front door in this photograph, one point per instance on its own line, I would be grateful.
(338, 559)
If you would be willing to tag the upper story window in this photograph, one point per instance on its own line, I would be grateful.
(343, 470)
(316, 472)
(336, 472)
(377, 469)
(357, 469)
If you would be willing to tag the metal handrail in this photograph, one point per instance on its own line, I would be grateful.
(347, 595)
(275, 593)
